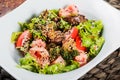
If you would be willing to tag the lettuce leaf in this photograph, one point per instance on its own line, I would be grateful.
(74, 65)
(91, 36)
(38, 34)
(29, 63)
(14, 36)
(64, 25)
(95, 48)
(59, 68)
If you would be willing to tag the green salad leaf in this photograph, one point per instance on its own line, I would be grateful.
(95, 48)
(35, 20)
(64, 25)
(59, 68)
(53, 69)
(38, 34)
(69, 55)
(29, 63)
(26, 26)
(54, 53)
(48, 14)
(74, 65)
(91, 35)
(14, 36)
(52, 13)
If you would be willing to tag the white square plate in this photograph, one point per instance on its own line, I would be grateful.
(92, 9)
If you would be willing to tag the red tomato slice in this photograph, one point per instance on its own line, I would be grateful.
(74, 33)
(79, 44)
(25, 36)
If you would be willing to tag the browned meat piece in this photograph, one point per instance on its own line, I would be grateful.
(66, 36)
(75, 20)
(56, 36)
(48, 28)
(69, 45)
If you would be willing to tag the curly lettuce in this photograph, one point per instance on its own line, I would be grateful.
(15, 36)
(29, 63)
(91, 35)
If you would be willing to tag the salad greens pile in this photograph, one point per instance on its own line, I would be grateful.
(29, 63)
(91, 35)
(58, 40)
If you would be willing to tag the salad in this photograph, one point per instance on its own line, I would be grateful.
(58, 40)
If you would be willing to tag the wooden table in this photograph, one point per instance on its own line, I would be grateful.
(108, 69)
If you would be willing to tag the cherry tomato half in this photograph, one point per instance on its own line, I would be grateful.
(79, 44)
(74, 32)
(25, 36)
